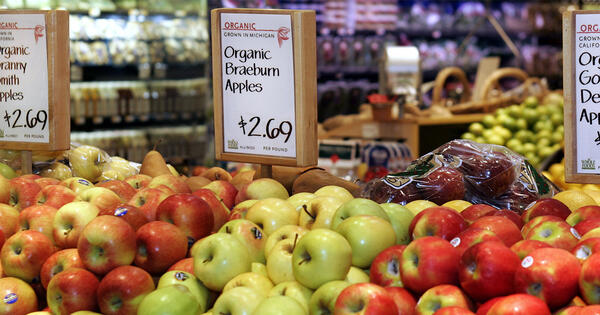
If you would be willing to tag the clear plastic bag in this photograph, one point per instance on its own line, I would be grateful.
(463, 169)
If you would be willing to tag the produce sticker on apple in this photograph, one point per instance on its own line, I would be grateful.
(258, 84)
(23, 78)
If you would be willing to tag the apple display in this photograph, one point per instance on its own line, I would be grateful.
(550, 274)
(249, 234)
(486, 270)
(365, 298)
(192, 215)
(196, 288)
(38, 218)
(105, 243)
(55, 196)
(159, 245)
(70, 220)
(218, 258)
(367, 235)
(122, 289)
(271, 214)
(18, 297)
(321, 256)
(357, 206)
(58, 262)
(72, 290)
(23, 254)
(173, 299)
(425, 254)
(385, 269)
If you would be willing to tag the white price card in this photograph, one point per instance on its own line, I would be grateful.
(24, 114)
(258, 84)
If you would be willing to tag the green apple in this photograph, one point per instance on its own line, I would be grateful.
(299, 199)
(218, 258)
(400, 218)
(239, 300)
(476, 128)
(279, 261)
(7, 171)
(172, 299)
(294, 290)
(357, 275)
(249, 234)
(259, 268)
(319, 212)
(368, 235)
(357, 206)
(87, 161)
(279, 305)
(271, 214)
(254, 281)
(282, 233)
(196, 288)
(322, 302)
(321, 256)
(338, 192)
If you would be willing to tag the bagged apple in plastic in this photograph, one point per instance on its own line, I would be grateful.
(463, 169)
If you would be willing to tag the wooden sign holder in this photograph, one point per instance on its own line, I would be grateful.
(570, 111)
(305, 87)
(57, 41)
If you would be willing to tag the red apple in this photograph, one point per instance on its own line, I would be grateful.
(160, 245)
(190, 213)
(47, 181)
(219, 210)
(72, 290)
(524, 247)
(503, 227)
(174, 183)
(585, 212)
(425, 254)
(437, 221)
(550, 274)
(537, 220)
(570, 310)
(441, 296)
(55, 196)
(472, 236)
(9, 220)
(38, 218)
(558, 234)
(546, 206)
(519, 304)
(185, 264)
(486, 270)
(484, 308)
(587, 225)
(590, 310)
(405, 302)
(23, 192)
(138, 181)
(224, 191)
(58, 262)
(4, 189)
(24, 253)
(365, 298)
(70, 220)
(198, 170)
(453, 310)
(131, 214)
(585, 248)
(106, 243)
(476, 211)
(120, 187)
(102, 198)
(122, 290)
(589, 279)
(18, 298)
(513, 216)
(385, 268)
(147, 200)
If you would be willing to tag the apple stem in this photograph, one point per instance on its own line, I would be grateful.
(295, 240)
(309, 214)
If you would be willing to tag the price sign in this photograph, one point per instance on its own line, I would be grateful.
(264, 79)
(34, 80)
